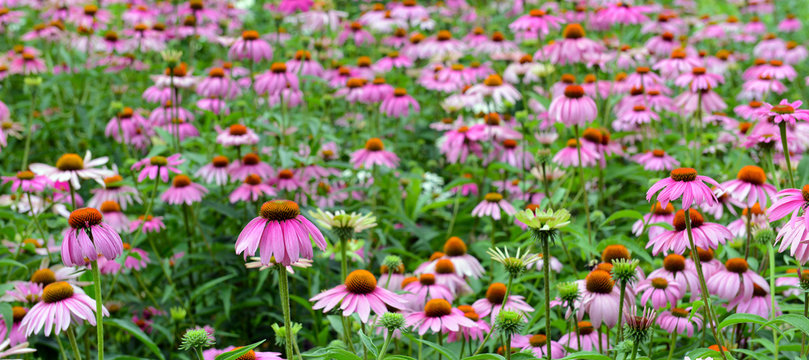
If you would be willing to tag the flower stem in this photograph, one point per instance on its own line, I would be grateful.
(73, 345)
(749, 229)
(546, 266)
(706, 297)
(581, 183)
(634, 349)
(771, 255)
(29, 128)
(671, 345)
(454, 212)
(384, 349)
(344, 259)
(621, 312)
(783, 126)
(283, 281)
(199, 354)
(99, 309)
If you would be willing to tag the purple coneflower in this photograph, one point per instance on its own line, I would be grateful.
(183, 191)
(426, 288)
(656, 160)
(250, 46)
(685, 183)
(89, 236)
(537, 344)
(439, 317)
(158, 166)
(601, 298)
(251, 190)
(280, 232)
(706, 235)
(61, 305)
(660, 291)
(736, 281)
(215, 172)
(495, 301)
(491, 205)
(359, 294)
(374, 154)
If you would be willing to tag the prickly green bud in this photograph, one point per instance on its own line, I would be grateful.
(281, 332)
(544, 156)
(509, 322)
(765, 236)
(568, 291)
(33, 81)
(624, 270)
(178, 313)
(197, 338)
(392, 262)
(392, 321)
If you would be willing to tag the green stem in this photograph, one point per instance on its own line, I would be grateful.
(29, 128)
(771, 255)
(454, 212)
(199, 354)
(284, 285)
(73, 344)
(384, 349)
(749, 230)
(783, 126)
(99, 309)
(421, 337)
(706, 297)
(441, 342)
(39, 228)
(581, 183)
(671, 344)
(634, 349)
(621, 312)
(546, 265)
(61, 347)
(344, 258)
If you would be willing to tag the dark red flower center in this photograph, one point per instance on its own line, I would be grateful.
(599, 281)
(84, 217)
(360, 282)
(280, 210)
(684, 174)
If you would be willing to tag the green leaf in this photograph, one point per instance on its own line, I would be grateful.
(623, 214)
(135, 331)
(444, 351)
(235, 354)
(8, 313)
(398, 357)
(742, 319)
(485, 357)
(204, 288)
(586, 355)
(9, 262)
(799, 322)
(369, 344)
(340, 354)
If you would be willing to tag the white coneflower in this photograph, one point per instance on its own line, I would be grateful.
(515, 265)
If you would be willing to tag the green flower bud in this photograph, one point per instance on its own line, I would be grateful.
(197, 338)
(392, 321)
(509, 322)
(624, 270)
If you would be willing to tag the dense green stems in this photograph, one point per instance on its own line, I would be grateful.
(384, 349)
(441, 342)
(706, 297)
(546, 266)
(73, 344)
(508, 347)
(671, 344)
(99, 309)
(283, 281)
(621, 312)
(29, 128)
(783, 126)
(581, 183)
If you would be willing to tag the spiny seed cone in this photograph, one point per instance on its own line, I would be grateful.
(538, 340)
(360, 282)
(466, 308)
(437, 308)
(759, 291)
(70, 162)
(409, 280)
(444, 266)
(374, 144)
(25, 175)
(660, 283)
(355, 83)
(427, 279)
(658, 153)
(680, 313)
(572, 143)
(573, 31)
(705, 255)
(674, 263)
(754, 210)
(493, 80)
(251, 159)
(286, 174)
(280, 210)
(684, 174)
(592, 135)
(43, 277)
(604, 266)
(454, 246)
(805, 192)
(220, 161)
(444, 35)
(574, 92)
(19, 313)
(84, 217)
(56, 292)
(252, 179)
(568, 79)
(496, 293)
(493, 197)
(180, 181)
(599, 281)
(736, 265)
(237, 129)
(399, 92)
(250, 355)
(585, 327)
(110, 206)
(278, 67)
(752, 174)
(615, 252)
(658, 209)
(642, 70)
(471, 315)
(509, 143)
(436, 255)
(679, 219)
(250, 35)
(158, 161)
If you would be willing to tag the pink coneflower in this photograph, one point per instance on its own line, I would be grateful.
(211, 354)
(250, 164)
(658, 214)
(155, 166)
(137, 259)
(439, 317)
(495, 301)
(573, 107)
(470, 333)
(215, 172)
(789, 24)
(236, 135)
(465, 265)
(394, 60)
(794, 235)
(70, 167)
(573, 48)
(280, 232)
(678, 63)
(183, 191)
(537, 344)
(496, 91)
(536, 21)
(635, 117)
(353, 90)
(750, 186)
(356, 33)
(777, 70)
(218, 85)
(17, 333)
(250, 46)
(88, 237)
(392, 279)
(359, 294)
(27, 64)
(111, 212)
(147, 224)
(399, 104)
(303, 64)
(491, 205)
(61, 305)
(699, 79)
(568, 155)
(791, 280)
(275, 80)
(27, 181)
(656, 160)
(706, 235)
(759, 304)
(425, 289)
(442, 45)
(660, 291)
(601, 298)
(589, 338)
(376, 91)
(735, 281)
(374, 154)
(251, 190)
(680, 321)
(685, 183)
(785, 112)
(287, 180)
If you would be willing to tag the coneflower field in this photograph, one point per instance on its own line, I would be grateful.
(404, 179)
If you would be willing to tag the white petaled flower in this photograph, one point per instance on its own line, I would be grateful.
(514, 264)
(255, 263)
(21, 348)
(340, 220)
(544, 220)
(71, 167)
